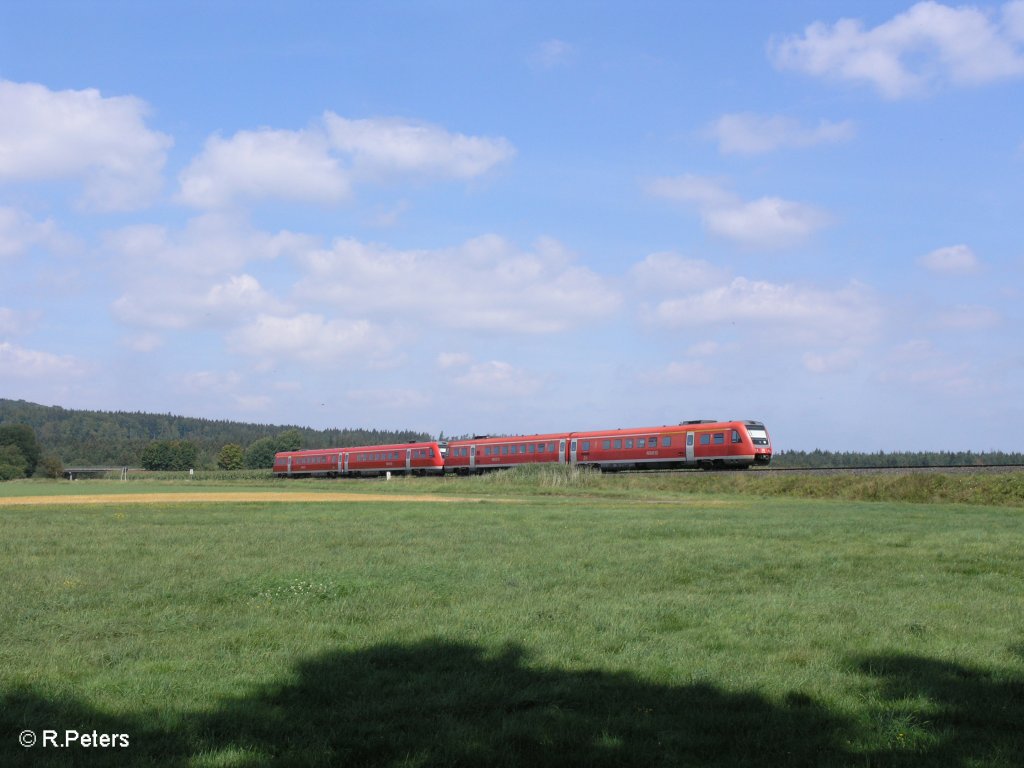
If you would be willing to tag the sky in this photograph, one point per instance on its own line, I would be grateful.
(492, 217)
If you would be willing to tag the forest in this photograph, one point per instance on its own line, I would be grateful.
(119, 438)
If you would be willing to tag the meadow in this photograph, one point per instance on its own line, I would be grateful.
(548, 620)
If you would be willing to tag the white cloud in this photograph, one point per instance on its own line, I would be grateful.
(211, 244)
(390, 146)
(21, 363)
(19, 232)
(791, 314)
(666, 273)
(926, 46)
(447, 360)
(169, 304)
(951, 260)
(47, 135)
(14, 321)
(320, 164)
(768, 222)
(287, 165)
(747, 133)
(550, 54)
(832, 361)
(498, 379)
(688, 372)
(484, 284)
(311, 339)
(965, 317)
(390, 398)
(921, 364)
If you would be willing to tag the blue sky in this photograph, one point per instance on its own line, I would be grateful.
(520, 217)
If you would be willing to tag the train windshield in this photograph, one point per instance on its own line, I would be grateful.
(758, 435)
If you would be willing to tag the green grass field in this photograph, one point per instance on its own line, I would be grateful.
(616, 621)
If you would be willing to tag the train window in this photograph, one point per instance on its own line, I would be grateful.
(736, 436)
(533, 448)
(586, 445)
(551, 447)
(504, 450)
(431, 451)
(540, 447)
(719, 438)
(666, 441)
(618, 445)
(629, 443)
(606, 444)
(705, 439)
(641, 442)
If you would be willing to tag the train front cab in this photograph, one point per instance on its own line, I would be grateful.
(762, 443)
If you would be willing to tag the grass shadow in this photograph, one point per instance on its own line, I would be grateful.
(939, 713)
(446, 704)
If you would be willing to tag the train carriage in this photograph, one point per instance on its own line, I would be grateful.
(705, 444)
(425, 458)
(484, 453)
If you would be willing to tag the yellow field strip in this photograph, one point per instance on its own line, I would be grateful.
(228, 497)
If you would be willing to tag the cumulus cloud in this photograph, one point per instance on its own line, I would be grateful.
(748, 134)
(168, 304)
(484, 284)
(951, 260)
(389, 146)
(919, 363)
(19, 232)
(310, 338)
(796, 314)
(926, 46)
(102, 141)
(208, 245)
(768, 222)
(498, 379)
(664, 273)
(288, 165)
(20, 363)
(13, 321)
(196, 277)
(321, 163)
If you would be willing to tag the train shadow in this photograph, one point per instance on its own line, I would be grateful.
(448, 704)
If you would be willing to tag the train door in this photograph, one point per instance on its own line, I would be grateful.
(561, 451)
(572, 452)
(689, 446)
(346, 463)
(472, 457)
(408, 459)
(289, 465)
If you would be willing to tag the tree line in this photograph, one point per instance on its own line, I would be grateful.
(166, 441)
(819, 459)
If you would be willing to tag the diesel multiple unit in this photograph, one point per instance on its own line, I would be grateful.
(690, 444)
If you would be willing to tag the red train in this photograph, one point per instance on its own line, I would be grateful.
(410, 458)
(703, 444)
